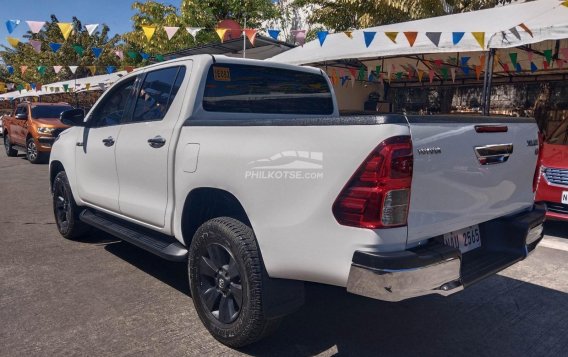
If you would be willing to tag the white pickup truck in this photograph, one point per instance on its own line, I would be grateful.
(246, 170)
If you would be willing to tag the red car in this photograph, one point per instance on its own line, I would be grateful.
(552, 185)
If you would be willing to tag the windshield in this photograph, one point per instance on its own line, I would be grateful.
(49, 111)
(560, 135)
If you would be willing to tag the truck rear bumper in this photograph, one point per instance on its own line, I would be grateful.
(440, 269)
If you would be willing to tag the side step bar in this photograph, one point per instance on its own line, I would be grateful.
(163, 246)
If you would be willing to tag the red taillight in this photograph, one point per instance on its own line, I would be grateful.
(537, 172)
(378, 194)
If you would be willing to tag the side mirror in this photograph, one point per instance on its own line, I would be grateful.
(22, 116)
(73, 117)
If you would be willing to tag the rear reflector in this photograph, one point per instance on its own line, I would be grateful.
(491, 128)
(377, 195)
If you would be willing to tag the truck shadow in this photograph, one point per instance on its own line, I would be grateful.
(497, 317)
(558, 229)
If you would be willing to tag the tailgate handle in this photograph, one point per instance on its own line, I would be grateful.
(493, 154)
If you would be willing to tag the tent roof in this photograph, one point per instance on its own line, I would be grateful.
(99, 82)
(546, 19)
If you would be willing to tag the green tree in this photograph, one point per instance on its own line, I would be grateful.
(24, 54)
(341, 15)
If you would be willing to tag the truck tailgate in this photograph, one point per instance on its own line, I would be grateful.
(463, 177)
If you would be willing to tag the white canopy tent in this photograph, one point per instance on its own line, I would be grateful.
(94, 83)
(545, 19)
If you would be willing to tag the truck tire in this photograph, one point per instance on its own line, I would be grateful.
(65, 209)
(11, 152)
(32, 154)
(226, 282)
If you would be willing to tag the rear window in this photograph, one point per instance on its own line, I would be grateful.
(236, 88)
(49, 111)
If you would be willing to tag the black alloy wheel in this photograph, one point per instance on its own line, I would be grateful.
(220, 283)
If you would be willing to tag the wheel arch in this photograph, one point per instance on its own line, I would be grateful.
(55, 167)
(205, 203)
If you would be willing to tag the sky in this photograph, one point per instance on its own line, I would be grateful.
(115, 13)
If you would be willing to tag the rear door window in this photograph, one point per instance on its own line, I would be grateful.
(157, 93)
(237, 88)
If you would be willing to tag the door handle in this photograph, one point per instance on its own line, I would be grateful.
(108, 141)
(157, 142)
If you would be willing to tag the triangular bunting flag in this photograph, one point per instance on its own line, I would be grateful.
(548, 55)
(434, 37)
(92, 69)
(515, 33)
(132, 54)
(299, 36)
(119, 54)
(35, 26)
(274, 33)
(453, 74)
(73, 69)
(110, 69)
(530, 56)
(13, 41)
(38, 86)
(369, 36)
(513, 56)
(560, 63)
(159, 58)
(444, 71)
(87, 86)
(54, 46)
(91, 28)
(193, 30)
(506, 67)
(36, 45)
(11, 25)
(353, 72)
(149, 31)
(171, 31)
(66, 28)
(534, 68)
(66, 87)
(56, 69)
(457, 37)
(97, 51)
(431, 74)
(79, 49)
(519, 68)
(23, 69)
(392, 36)
(420, 75)
(527, 30)
(378, 69)
(10, 69)
(41, 70)
(348, 34)
(411, 37)
(144, 55)
(128, 68)
(221, 33)
(477, 71)
(361, 73)
(33, 86)
(545, 65)
(322, 35)
(251, 35)
(480, 38)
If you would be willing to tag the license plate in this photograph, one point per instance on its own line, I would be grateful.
(465, 239)
(565, 197)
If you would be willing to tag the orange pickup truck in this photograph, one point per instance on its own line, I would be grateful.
(32, 128)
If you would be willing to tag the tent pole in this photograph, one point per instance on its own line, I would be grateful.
(487, 79)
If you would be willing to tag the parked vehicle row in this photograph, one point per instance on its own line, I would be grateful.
(246, 171)
(32, 129)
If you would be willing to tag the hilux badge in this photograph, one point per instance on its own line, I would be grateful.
(429, 151)
(532, 142)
